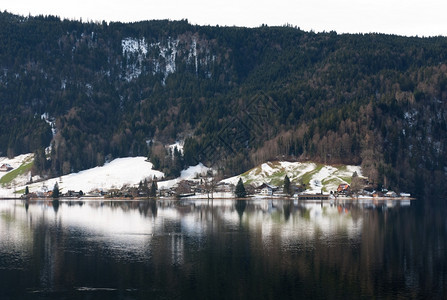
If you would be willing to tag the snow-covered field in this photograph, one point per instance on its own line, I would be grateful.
(189, 174)
(15, 162)
(115, 174)
(319, 177)
(130, 171)
(121, 171)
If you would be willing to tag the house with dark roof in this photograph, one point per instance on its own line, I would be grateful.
(6, 168)
(266, 189)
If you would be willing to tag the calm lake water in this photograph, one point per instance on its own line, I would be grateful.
(225, 249)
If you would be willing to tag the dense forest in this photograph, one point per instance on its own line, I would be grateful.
(236, 96)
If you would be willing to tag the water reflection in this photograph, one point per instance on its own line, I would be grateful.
(222, 248)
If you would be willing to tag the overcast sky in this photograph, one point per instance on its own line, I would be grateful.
(409, 17)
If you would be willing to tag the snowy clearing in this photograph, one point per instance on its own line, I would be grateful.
(130, 171)
(317, 177)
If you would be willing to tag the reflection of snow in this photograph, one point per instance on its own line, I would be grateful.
(133, 227)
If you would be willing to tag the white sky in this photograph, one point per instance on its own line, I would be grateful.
(403, 17)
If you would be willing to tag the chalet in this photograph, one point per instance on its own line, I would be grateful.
(267, 189)
(391, 194)
(6, 168)
(343, 188)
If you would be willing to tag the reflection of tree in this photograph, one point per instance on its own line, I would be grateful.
(389, 255)
(240, 207)
(210, 183)
(55, 205)
(287, 209)
(153, 205)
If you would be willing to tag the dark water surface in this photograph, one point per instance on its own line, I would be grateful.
(225, 249)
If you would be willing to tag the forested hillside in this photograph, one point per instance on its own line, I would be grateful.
(237, 96)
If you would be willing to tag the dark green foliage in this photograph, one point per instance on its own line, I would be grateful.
(287, 188)
(376, 100)
(26, 190)
(55, 191)
(240, 189)
(153, 190)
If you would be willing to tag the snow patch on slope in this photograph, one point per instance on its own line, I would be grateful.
(178, 145)
(16, 162)
(320, 177)
(135, 51)
(50, 121)
(190, 173)
(168, 53)
(115, 174)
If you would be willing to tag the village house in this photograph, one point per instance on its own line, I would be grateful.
(391, 194)
(266, 189)
(343, 188)
(6, 168)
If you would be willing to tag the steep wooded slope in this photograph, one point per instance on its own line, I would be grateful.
(238, 96)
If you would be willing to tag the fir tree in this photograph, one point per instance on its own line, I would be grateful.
(56, 191)
(287, 189)
(153, 191)
(240, 189)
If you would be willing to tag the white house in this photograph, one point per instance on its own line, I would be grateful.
(390, 194)
(6, 168)
(267, 189)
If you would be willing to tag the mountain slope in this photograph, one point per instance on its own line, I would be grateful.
(238, 96)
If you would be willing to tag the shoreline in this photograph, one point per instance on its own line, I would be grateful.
(255, 197)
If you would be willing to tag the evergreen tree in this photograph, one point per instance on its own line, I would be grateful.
(26, 190)
(287, 188)
(240, 189)
(153, 191)
(56, 191)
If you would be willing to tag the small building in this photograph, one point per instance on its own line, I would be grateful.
(390, 194)
(343, 188)
(6, 168)
(266, 189)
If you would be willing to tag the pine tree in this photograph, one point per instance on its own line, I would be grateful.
(153, 191)
(26, 190)
(287, 189)
(240, 189)
(56, 191)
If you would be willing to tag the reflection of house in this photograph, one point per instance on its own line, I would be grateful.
(267, 189)
(343, 188)
(6, 168)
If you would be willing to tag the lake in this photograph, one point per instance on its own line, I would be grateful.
(222, 249)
